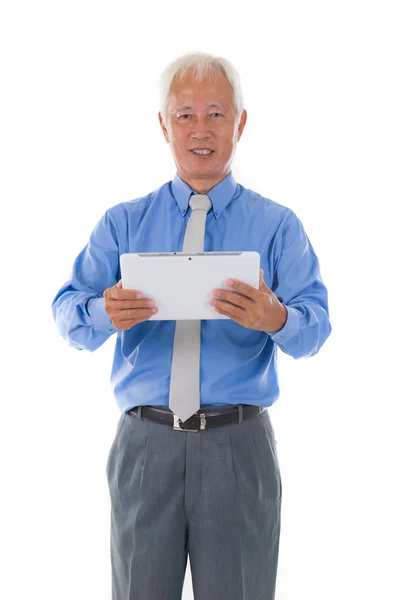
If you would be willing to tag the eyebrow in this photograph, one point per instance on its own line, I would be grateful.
(181, 108)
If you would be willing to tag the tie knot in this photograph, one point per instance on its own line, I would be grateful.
(200, 202)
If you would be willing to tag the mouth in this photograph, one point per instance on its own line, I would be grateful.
(202, 153)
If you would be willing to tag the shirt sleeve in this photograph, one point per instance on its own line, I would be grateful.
(299, 286)
(78, 307)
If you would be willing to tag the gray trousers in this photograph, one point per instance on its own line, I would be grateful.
(215, 494)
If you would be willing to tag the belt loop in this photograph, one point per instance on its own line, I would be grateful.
(240, 409)
(139, 412)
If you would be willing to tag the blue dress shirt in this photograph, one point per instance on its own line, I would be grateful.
(237, 365)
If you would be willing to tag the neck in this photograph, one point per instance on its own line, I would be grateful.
(202, 186)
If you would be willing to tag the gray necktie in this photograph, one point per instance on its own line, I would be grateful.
(184, 395)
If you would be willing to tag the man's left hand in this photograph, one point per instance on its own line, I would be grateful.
(257, 309)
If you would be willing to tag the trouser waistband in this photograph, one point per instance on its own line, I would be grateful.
(205, 418)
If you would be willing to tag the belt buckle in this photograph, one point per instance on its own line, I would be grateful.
(177, 426)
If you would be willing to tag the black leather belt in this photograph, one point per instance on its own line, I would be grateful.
(204, 418)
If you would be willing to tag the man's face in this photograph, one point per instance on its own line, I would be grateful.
(202, 116)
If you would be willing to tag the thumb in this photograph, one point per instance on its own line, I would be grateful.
(119, 284)
(263, 285)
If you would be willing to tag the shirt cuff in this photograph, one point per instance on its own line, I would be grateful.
(100, 318)
(290, 328)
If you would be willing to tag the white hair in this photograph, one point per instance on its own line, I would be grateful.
(205, 65)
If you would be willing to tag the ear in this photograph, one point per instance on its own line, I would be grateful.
(164, 129)
(242, 123)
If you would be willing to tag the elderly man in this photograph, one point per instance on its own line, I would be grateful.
(211, 486)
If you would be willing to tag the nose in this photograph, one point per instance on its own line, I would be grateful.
(201, 127)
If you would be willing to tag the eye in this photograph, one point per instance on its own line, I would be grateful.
(217, 113)
(185, 115)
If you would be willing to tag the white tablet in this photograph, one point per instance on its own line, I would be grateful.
(181, 283)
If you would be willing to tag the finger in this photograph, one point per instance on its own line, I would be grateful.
(125, 303)
(246, 289)
(237, 314)
(233, 309)
(121, 294)
(128, 315)
(263, 285)
(233, 298)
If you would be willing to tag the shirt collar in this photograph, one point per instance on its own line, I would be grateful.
(220, 195)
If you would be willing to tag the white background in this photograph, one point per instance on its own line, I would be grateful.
(79, 134)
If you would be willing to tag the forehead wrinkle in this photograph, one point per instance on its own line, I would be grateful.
(214, 105)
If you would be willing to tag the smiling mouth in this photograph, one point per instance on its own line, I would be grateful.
(203, 153)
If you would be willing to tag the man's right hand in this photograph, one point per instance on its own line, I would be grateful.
(126, 308)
